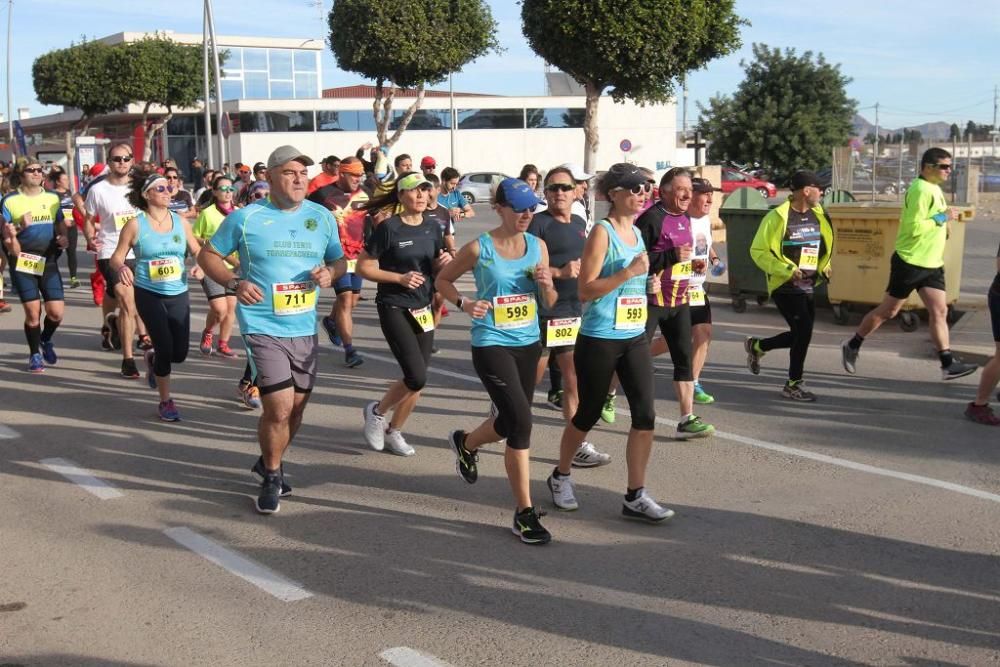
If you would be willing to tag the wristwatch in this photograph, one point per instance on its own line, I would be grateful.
(460, 303)
(233, 284)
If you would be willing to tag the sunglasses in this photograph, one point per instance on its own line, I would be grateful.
(639, 189)
(162, 188)
(33, 170)
(172, 178)
(943, 167)
(519, 211)
(226, 188)
(560, 187)
(260, 195)
(120, 158)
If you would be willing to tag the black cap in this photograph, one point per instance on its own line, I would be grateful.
(260, 166)
(804, 179)
(622, 175)
(703, 185)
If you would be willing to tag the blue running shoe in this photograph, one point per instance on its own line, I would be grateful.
(330, 325)
(35, 364)
(168, 411)
(49, 353)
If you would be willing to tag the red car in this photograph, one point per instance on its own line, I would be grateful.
(734, 178)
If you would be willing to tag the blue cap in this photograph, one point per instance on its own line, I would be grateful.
(516, 194)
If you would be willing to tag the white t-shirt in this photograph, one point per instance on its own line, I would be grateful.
(701, 233)
(109, 203)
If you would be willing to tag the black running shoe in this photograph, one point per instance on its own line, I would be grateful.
(529, 528)
(260, 472)
(268, 502)
(465, 461)
(106, 338)
(116, 339)
(129, 369)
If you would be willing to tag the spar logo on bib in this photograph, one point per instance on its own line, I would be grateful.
(177, 238)
(311, 225)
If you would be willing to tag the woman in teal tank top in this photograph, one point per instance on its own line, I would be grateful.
(511, 269)
(160, 239)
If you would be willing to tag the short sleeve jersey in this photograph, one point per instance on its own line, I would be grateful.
(45, 212)
(440, 215)
(347, 211)
(402, 248)
(675, 232)
(921, 239)
(453, 199)
(701, 231)
(181, 201)
(564, 241)
(109, 203)
(278, 250)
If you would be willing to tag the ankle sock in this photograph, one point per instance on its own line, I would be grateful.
(632, 494)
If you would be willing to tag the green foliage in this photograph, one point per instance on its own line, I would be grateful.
(976, 132)
(788, 113)
(161, 71)
(84, 76)
(955, 132)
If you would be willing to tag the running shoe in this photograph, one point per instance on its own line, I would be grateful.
(694, 427)
(35, 363)
(849, 356)
(260, 472)
(529, 528)
(435, 350)
(562, 493)
(168, 411)
(269, 500)
(753, 354)
(982, 414)
(465, 461)
(587, 456)
(396, 444)
(796, 391)
(330, 325)
(352, 359)
(145, 342)
(106, 337)
(4, 306)
(608, 411)
(129, 369)
(49, 353)
(375, 425)
(116, 340)
(206, 343)
(957, 370)
(74, 282)
(701, 396)
(226, 351)
(645, 508)
(148, 356)
(555, 398)
(250, 395)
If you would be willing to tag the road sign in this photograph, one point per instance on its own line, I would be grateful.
(625, 145)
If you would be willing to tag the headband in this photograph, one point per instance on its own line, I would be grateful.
(352, 168)
(153, 178)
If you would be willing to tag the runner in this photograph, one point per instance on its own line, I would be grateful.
(612, 340)
(33, 235)
(793, 247)
(427, 166)
(451, 198)
(59, 180)
(979, 409)
(181, 201)
(287, 247)
(435, 211)
(330, 166)
(221, 302)
(402, 255)
(346, 198)
(159, 239)
(666, 229)
(564, 235)
(510, 269)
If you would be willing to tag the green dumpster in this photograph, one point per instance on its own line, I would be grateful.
(741, 213)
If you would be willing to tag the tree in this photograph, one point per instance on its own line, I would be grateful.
(407, 45)
(870, 138)
(634, 49)
(955, 132)
(789, 112)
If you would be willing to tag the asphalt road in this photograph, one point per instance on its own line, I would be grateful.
(862, 529)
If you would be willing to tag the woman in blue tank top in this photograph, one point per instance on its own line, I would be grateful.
(511, 269)
(160, 239)
(612, 340)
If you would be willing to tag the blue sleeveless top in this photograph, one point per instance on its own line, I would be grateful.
(599, 315)
(159, 258)
(509, 285)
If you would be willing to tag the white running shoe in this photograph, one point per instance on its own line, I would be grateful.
(562, 493)
(396, 444)
(646, 509)
(588, 457)
(375, 426)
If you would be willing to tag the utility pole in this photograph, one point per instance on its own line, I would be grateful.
(223, 156)
(210, 151)
(451, 116)
(10, 97)
(875, 152)
(996, 128)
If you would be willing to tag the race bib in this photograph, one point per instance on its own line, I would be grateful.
(681, 271)
(28, 263)
(293, 298)
(352, 266)
(809, 259)
(122, 219)
(424, 318)
(559, 333)
(696, 296)
(165, 270)
(515, 311)
(630, 313)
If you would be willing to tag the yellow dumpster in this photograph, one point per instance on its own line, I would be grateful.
(864, 240)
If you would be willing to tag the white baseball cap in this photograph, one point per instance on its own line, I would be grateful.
(577, 171)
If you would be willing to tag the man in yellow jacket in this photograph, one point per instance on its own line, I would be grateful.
(793, 247)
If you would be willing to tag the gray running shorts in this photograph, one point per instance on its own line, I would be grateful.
(280, 363)
(214, 290)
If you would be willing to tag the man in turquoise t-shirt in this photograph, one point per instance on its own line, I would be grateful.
(288, 248)
(918, 264)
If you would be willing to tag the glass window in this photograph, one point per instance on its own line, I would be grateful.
(345, 121)
(180, 126)
(306, 86)
(423, 119)
(305, 61)
(233, 60)
(281, 63)
(275, 121)
(255, 85)
(232, 89)
(281, 90)
(255, 59)
(555, 118)
(490, 119)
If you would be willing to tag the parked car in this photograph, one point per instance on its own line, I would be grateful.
(478, 186)
(733, 179)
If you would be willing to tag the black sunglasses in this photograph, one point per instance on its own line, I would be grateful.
(560, 187)
(33, 170)
(120, 158)
(943, 167)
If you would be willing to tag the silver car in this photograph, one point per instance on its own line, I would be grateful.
(478, 186)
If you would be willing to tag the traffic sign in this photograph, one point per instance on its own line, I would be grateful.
(625, 145)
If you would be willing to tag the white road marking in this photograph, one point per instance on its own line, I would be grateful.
(403, 656)
(775, 447)
(78, 475)
(7, 433)
(235, 563)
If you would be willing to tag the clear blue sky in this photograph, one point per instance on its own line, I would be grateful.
(923, 61)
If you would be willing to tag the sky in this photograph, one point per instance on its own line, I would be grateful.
(921, 61)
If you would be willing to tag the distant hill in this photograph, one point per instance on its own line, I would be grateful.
(935, 131)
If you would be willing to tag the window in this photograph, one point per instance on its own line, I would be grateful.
(255, 85)
(233, 60)
(232, 89)
(281, 90)
(305, 61)
(275, 121)
(306, 85)
(490, 119)
(281, 63)
(423, 119)
(481, 178)
(555, 118)
(181, 125)
(345, 121)
(255, 59)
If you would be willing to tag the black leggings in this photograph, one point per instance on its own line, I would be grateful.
(410, 344)
(168, 321)
(508, 373)
(72, 235)
(675, 324)
(799, 310)
(596, 361)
